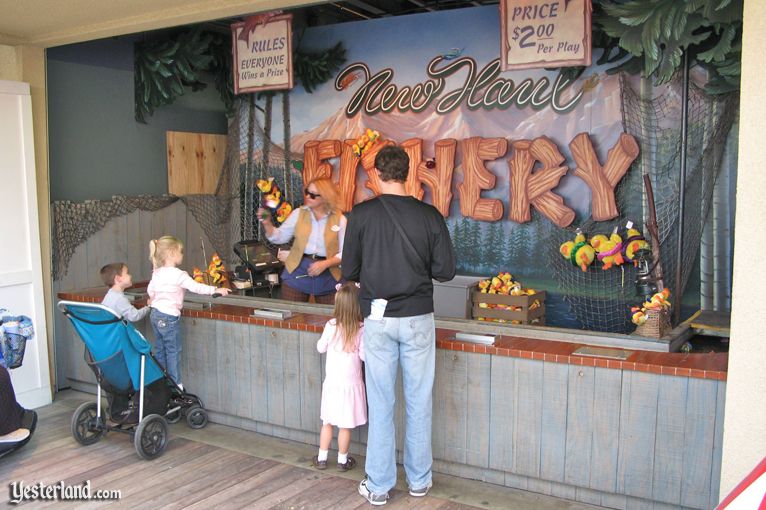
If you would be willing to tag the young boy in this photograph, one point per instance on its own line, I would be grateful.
(117, 278)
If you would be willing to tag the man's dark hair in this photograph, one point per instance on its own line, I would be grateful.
(109, 271)
(392, 163)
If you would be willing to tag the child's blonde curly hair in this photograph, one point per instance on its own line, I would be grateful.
(160, 249)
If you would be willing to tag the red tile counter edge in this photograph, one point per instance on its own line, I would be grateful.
(712, 365)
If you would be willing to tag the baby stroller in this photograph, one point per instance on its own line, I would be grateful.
(142, 397)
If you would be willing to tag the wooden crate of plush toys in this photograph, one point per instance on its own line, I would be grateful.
(500, 299)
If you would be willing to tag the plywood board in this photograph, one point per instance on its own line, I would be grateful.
(194, 162)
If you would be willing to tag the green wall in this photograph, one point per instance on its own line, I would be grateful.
(97, 149)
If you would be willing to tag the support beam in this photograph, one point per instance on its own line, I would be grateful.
(369, 8)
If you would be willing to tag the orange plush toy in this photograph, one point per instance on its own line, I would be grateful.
(217, 272)
(274, 199)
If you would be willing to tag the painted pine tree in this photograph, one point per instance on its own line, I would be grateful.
(475, 247)
(511, 257)
(493, 247)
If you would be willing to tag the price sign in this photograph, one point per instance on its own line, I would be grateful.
(545, 33)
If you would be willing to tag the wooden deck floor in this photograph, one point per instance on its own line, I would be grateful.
(190, 474)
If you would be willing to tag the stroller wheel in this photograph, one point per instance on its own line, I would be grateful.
(151, 437)
(173, 417)
(196, 417)
(87, 427)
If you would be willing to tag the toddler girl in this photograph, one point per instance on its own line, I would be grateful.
(344, 403)
(166, 290)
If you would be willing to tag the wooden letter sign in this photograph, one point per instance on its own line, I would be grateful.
(545, 33)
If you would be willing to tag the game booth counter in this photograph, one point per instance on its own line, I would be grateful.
(578, 415)
(581, 351)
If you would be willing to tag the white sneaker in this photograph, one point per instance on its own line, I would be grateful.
(374, 499)
(419, 493)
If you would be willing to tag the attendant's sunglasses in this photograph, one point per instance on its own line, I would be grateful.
(310, 194)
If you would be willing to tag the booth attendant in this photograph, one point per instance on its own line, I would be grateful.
(317, 227)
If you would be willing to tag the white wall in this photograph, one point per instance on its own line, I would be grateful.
(744, 440)
(21, 286)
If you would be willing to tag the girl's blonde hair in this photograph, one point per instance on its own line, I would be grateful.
(348, 314)
(327, 191)
(160, 249)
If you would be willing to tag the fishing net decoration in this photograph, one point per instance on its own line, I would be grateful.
(251, 155)
(256, 157)
(601, 300)
(226, 217)
(75, 222)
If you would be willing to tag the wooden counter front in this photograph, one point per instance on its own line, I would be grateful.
(525, 413)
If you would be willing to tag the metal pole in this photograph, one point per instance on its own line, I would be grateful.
(681, 189)
(248, 216)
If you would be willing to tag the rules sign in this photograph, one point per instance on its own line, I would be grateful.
(262, 51)
(545, 33)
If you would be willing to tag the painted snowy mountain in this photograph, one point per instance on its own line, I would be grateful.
(599, 113)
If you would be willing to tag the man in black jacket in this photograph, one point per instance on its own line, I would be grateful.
(394, 246)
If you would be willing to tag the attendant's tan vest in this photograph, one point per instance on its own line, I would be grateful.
(302, 233)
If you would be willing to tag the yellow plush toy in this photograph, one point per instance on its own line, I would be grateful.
(198, 275)
(659, 301)
(608, 249)
(284, 211)
(274, 199)
(578, 251)
(634, 241)
(217, 271)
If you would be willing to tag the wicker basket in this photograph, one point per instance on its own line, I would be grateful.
(657, 324)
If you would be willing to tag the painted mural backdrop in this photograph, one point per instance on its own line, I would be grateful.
(440, 67)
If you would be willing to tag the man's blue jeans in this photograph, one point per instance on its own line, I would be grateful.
(411, 342)
(167, 344)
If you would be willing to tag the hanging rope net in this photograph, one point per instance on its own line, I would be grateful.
(253, 156)
(601, 300)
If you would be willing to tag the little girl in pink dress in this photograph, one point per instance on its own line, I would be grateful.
(344, 403)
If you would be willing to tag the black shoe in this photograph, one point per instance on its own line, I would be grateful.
(319, 464)
(29, 420)
(349, 464)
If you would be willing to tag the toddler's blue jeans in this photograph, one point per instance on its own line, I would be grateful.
(167, 345)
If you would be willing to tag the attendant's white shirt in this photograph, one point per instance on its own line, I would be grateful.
(315, 244)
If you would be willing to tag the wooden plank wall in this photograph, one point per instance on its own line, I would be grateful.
(601, 436)
(619, 439)
(195, 161)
